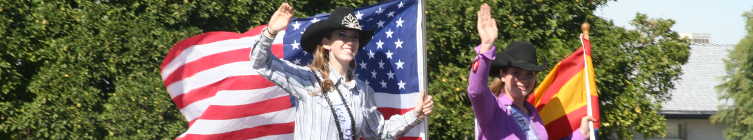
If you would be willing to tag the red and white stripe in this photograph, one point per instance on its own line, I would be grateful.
(209, 78)
(391, 104)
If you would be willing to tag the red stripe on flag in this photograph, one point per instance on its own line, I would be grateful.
(387, 112)
(277, 50)
(217, 112)
(244, 82)
(214, 60)
(248, 133)
(587, 45)
(205, 38)
(563, 73)
(256, 30)
(566, 124)
(596, 111)
(206, 62)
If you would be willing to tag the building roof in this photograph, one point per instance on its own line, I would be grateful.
(695, 94)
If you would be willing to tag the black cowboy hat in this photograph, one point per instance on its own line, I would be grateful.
(518, 54)
(341, 18)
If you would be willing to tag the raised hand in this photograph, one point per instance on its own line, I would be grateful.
(424, 105)
(280, 18)
(487, 27)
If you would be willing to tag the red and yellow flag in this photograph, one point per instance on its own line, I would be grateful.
(561, 98)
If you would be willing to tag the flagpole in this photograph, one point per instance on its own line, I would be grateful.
(421, 60)
(585, 28)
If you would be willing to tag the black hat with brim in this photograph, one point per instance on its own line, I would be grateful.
(341, 18)
(518, 54)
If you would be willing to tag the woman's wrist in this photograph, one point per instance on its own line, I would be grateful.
(267, 32)
(419, 115)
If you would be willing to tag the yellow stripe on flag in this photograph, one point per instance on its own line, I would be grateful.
(562, 104)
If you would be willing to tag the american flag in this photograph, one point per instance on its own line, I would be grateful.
(209, 77)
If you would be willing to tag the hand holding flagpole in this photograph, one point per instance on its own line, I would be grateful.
(424, 105)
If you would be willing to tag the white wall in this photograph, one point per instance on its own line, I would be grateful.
(690, 129)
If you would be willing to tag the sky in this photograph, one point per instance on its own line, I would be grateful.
(722, 19)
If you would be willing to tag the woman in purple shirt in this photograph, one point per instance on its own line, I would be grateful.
(501, 110)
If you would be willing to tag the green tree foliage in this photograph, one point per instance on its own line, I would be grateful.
(737, 88)
(634, 68)
(90, 69)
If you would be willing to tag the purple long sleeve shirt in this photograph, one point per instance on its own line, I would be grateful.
(494, 119)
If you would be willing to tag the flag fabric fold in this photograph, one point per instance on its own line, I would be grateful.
(210, 80)
(561, 98)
